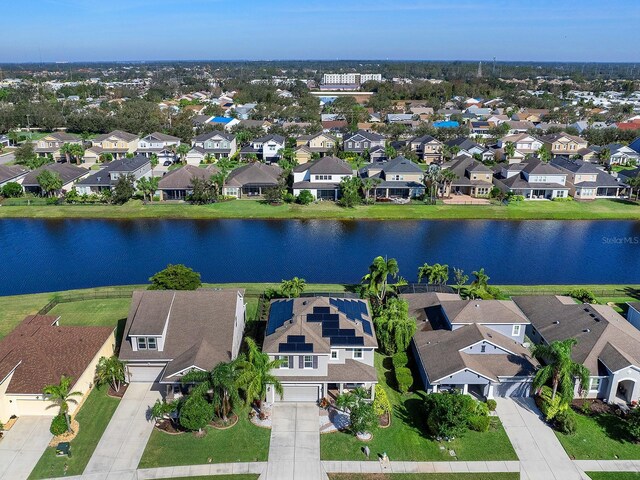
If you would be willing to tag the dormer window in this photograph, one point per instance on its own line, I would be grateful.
(515, 330)
(147, 343)
(142, 343)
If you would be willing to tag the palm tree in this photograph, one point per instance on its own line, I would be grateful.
(378, 276)
(153, 159)
(481, 280)
(560, 369)
(223, 382)
(509, 150)
(255, 373)
(358, 162)
(105, 157)
(544, 154)
(77, 152)
(65, 149)
(293, 288)
(367, 184)
(448, 176)
(148, 186)
(182, 151)
(424, 271)
(432, 179)
(61, 395)
(110, 371)
(604, 155)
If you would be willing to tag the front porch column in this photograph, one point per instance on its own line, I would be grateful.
(434, 389)
(372, 386)
(489, 392)
(340, 388)
(465, 389)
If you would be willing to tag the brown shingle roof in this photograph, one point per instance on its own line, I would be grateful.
(41, 352)
(200, 326)
(255, 173)
(181, 178)
(66, 171)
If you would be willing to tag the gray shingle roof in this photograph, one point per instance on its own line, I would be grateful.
(180, 178)
(255, 173)
(325, 165)
(66, 171)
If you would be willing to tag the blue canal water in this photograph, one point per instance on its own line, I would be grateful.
(50, 255)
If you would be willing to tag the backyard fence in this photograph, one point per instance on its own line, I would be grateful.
(67, 297)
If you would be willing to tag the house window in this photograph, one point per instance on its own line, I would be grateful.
(594, 384)
(334, 354)
(357, 353)
(285, 363)
(323, 177)
(515, 330)
(483, 348)
(308, 361)
(151, 343)
(142, 343)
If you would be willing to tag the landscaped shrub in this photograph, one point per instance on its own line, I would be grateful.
(288, 197)
(565, 422)
(563, 199)
(381, 404)
(482, 409)
(400, 360)
(550, 408)
(492, 404)
(404, 378)
(584, 295)
(632, 423)
(447, 414)
(304, 197)
(58, 425)
(479, 423)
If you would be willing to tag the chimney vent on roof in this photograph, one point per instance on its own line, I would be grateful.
(556, 322)
(587, 330)
(477, 305)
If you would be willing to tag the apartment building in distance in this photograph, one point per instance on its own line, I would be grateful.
(350, 78)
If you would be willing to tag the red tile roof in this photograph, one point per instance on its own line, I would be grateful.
(41, 352)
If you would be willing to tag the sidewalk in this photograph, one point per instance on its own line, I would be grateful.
(22, 446)
(420, 467)
(608, 465)
(540, 452)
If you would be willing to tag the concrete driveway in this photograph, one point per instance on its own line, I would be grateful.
(22, 446)
(6, 158)
(294, 451)
(541, 454)
(125, 438)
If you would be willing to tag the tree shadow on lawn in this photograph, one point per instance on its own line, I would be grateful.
(411, 413)
(614, 427)
(389, 377)
(632, 292)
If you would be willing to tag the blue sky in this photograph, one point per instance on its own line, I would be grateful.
(537, 30)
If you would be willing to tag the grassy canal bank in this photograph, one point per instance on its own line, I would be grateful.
(253, 209)
(108, 306)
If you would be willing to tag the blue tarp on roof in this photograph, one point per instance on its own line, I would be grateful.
(446, 124)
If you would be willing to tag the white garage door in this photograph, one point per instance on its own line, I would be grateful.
(145, 373)
(299, 393)
(513, 389)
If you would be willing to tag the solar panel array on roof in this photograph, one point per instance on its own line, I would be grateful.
(354, 310)
(331, 323)
(280, 312)
(295, 344)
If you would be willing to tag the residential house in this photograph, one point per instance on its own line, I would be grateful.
(252, 180)
(362, 141)
(582, 125)
(403, 118)
(160, 144)
(633, 314)
(607, 344)
(68, 173)
(586, 181)
(37, 353)
(524, 144)
(480, 128)
(243, 112)
(327, 346)
(466, 146)
(178, 184)
(169, 333)
(320, 144)
(11, 173)
(107, 177)
(321, 177)
(267, 148)
(474, 346)
(626, 175)
(533, 115)
(116, 143)
(226, 122)
(635, 145)
(473, 177)
(619, 154)
(587, 154)
(428, 148)
(215, 144)
(5, 141)
(516, 126)
(397, 178)
(533, 179)
(564, 144)
(51, 143)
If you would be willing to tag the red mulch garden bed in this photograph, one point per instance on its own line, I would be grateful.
(169, 426)
(221, 425)
(384, 420)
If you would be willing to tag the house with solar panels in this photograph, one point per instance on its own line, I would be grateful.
(327, 346)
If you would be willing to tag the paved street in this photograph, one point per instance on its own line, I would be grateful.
(126, 436)
(22, 446)
(294, 451)
(541, 454)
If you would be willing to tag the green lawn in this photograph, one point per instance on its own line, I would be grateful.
(242, 443)
(599, 437)
(425, 476)
(406, 439)
(613, 475)
(93, 417)
(598, 209)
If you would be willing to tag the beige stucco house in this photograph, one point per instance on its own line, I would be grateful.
(52, 143)
(37, 353)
